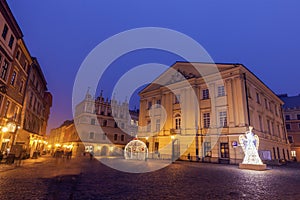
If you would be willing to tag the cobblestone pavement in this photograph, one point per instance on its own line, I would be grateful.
(80, 178)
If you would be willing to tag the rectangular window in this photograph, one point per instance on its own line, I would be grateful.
(11, 41)
(223, 118)
(6, 108)
(287, 117)
(156, 146)
(18, 55)
(177, 98)
(298, 117)
(16, 113)
(30, 100)
(293, 153)
(158, 103)
(93, 121)
(288, 126)
(206, 120)
(276, 111)
(122, 137)
(205, 94)
(221, 91)
(13, 78)
(298, 124)
(266, 104)
(21, 86)
(25, 65)
(257, 98)
(157, 125)
(269, 126)
(149, 105)
(291, 139)
(260, 123)
(224, 148)
(92, 135)
(148, 126)
(4, 32)
(207, 149)
(104, 136)
(4, 70)
(115, 137)
(177, 123)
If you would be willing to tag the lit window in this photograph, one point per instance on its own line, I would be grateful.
(221, 91)
(293, 153)
(224, 148)
(205, 94)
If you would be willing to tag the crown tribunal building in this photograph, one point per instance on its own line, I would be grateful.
(193, 116)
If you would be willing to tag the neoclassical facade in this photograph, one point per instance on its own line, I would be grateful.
(292, 118)
(201, 115)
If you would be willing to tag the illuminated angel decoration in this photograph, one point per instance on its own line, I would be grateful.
(250, 143)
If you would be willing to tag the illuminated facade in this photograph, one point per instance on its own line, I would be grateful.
(292, 118)
(118, 127)
(24, 99)
(170, 124)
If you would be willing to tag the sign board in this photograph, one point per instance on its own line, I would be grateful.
(234, 144)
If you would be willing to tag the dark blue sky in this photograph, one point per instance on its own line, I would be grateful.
(262, 35)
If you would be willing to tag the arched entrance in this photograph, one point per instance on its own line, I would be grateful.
(104, 151)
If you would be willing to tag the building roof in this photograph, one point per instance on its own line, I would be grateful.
(290, 102)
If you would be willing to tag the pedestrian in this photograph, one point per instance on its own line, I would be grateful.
(91, 155)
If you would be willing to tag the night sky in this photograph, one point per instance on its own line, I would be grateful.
(262, 35)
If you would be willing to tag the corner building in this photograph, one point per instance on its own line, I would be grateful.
(200, 117)
(292, 120)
